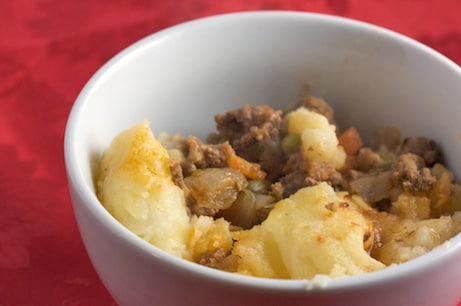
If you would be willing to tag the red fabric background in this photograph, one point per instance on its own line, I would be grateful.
(48, 50)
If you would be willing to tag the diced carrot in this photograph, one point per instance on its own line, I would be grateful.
(250, 170)
(350, 140)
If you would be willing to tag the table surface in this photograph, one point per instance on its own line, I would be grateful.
(48, 50)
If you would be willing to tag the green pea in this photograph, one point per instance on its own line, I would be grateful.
(290, 144)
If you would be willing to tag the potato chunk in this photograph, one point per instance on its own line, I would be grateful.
(208, 236)
(415, 238)
(319, 142)
(136, 187)
(314, 231)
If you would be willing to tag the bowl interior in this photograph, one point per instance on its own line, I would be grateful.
(181, 77)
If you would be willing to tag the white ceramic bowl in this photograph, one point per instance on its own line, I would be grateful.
(180, 77)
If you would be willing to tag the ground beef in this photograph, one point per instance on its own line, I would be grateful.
(367, 159)
(201, 156)
(299, 173)
(177, 173)
(254, 132)
(249, 124)
(295, 162)
(291, 183)
(321, 171)
(423, 147)
(409, 173)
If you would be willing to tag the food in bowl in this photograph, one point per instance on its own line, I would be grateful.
(282, 193)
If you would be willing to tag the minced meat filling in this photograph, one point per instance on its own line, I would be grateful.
(324, 202)
(426, 148)
(258, 134)
(411, 174)
(255, 133)
(201, 156)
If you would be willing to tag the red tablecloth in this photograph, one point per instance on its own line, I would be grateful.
(48, 50)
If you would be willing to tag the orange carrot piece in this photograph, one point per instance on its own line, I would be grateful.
(248, 169)
(350, 140)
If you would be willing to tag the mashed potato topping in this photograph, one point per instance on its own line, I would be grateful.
(282, 194)
(312, 232)
(135, 186)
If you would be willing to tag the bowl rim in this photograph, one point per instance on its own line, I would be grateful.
(88, 198)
